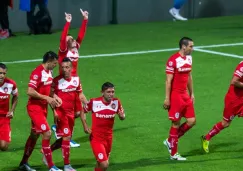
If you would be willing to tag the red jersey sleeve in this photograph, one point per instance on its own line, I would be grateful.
(81, 33)
(63, 42)
(79, 88)
(15, 89)
(170, 66)
(34, 80)
(239, 70)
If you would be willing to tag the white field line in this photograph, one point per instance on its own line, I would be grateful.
(218, 53)
(136, 52)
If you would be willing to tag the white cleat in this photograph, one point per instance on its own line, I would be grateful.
(68, 168)
(175, 13)
(177, 156)
(73, 144)
(54, 168)
(26, 167)
(167, 144)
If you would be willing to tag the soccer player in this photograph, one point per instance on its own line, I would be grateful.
(233, 106)
(7, 87)
(177, 100)
(69, 48)
(68, 88)
(175, 11)
(103, 110)
(39, 89)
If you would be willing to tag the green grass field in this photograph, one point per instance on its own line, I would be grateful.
(139, 80)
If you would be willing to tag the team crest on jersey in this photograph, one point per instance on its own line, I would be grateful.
(241, 69)
(35, 77)
(75, 82)
(5, 89)
(113, 105)
(189, 60)
(170, 63)
(177, 115)
(100, 156)
(43, 127)
(65, 130)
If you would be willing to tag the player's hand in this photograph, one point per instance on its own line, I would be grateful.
(58, 100)
(68, 17)
(193, 98)
(10, 114)
(85, 14)
(52, 101)
(87, 130)
(166, 104)
(121, 114)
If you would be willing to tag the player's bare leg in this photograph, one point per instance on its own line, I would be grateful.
(186, 126)
(214, 131)
(102, 166)
(172, 142)
(29, 147)
(3, 145)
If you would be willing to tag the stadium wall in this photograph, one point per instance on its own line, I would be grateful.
(103, 12)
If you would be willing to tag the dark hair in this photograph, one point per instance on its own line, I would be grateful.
(49, 56)
(184, 41)
(107, 85)
(3, 66)
(66, 59)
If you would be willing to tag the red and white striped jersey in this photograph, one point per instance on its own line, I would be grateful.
(8, 88)
(180, 67)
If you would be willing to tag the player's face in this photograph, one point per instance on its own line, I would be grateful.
(52, 64)
(71, 42)
(3, 73)
(189, 48)
(66, 69)
(108, 94)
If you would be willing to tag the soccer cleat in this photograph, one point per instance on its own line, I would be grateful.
(205, 144)
(54, 168)
(167, 144)
(177, 156)
(74, 144)
(68, 168)
(175, 13)
(26, 167)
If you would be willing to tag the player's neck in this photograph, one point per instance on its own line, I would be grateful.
(182, 53)
(105, 101)
(45, 67)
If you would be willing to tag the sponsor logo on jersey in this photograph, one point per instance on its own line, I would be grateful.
(184, 69)
(3, 97)
(106, 116)
(69, 89)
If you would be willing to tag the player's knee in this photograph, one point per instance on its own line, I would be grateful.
(104, 165)
(191, 122)
(3, 146)
(67, 138)
(176, 124)
(77, 114)
(225, 124)
(47, 135)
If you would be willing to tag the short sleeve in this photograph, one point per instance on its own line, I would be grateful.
(170, 66)
(15, 89)
(34, 80)
(239, 70)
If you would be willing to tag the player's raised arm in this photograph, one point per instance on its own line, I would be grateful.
(121, 112)
(83, 27)
(190, 87)
(63, 41)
